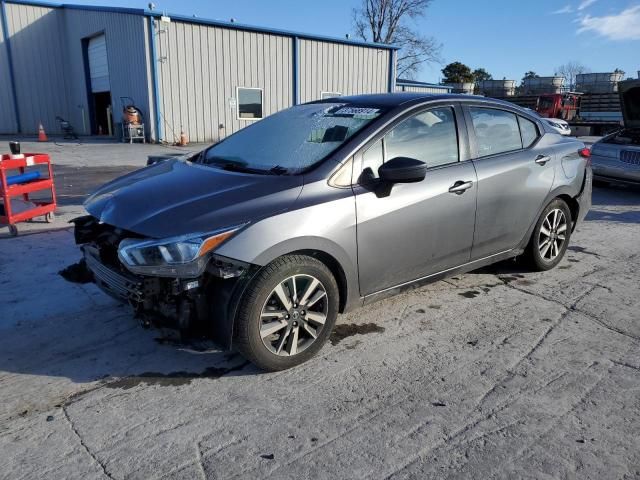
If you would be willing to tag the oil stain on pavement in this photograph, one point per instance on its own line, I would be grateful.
(340, 332)
(173, 379)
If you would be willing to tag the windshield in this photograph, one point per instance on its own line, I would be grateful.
(290, 141)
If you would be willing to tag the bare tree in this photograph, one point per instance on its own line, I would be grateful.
(390, 22)
(569, 71)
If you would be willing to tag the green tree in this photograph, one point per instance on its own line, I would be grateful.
(457, 72)
(480, 74)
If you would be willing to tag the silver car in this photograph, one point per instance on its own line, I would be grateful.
(261, 240)
(616, 157)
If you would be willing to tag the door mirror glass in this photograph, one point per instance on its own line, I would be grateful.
(402, 170)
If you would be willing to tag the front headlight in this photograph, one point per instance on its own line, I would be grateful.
(184, 256)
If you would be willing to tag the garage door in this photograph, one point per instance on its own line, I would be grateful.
(98, 65)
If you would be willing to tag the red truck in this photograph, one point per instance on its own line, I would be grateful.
(587, 113)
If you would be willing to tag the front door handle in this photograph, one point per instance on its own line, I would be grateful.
(460, 187)
(542, 159)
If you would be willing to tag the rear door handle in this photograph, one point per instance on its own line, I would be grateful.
(460, 187)
(542, 159)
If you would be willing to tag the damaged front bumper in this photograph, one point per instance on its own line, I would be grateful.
(203, 305)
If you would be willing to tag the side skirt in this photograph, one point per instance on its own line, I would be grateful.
(420, 282)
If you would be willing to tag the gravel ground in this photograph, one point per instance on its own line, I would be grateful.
(500, 373)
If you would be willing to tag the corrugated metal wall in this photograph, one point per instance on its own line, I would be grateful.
(46, 44)
(37, 47)
(347, 69)
(126, 44)
(200, 68)
(7, 114)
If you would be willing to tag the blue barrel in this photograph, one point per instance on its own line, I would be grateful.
(23, 178)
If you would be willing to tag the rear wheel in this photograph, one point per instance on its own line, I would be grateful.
(287, 313)
(550, 236)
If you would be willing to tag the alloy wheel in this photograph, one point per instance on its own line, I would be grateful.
(552, 234)
(293, 315)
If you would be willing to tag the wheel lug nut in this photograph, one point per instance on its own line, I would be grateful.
(286, 316)
(303, 312)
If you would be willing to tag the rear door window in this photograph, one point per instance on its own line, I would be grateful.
(496, 131)
(528, 131)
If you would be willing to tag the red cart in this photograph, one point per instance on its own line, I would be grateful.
(19, 165)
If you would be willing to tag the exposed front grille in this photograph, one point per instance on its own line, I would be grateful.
(630, 156)
(125, 287)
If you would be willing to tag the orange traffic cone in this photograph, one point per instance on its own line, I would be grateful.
(42, 136)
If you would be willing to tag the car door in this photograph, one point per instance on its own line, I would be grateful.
(407, 231)
(515, 170)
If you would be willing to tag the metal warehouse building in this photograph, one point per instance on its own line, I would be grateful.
(208, 78)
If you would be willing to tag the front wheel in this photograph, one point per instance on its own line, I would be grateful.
(287, 313)
(550, 237)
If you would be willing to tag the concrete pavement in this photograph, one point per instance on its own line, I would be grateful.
(500, 373)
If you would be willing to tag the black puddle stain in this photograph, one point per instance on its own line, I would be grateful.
(268, 456)
(473, 343)
(435, 307)
(173, 379)
(439, 404)
(564, 267)
(421, 310)
(575, 248)
(340, 332)
(77, 273)
(573, 260)
(470, 294)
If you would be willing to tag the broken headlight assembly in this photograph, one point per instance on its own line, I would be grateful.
(183, 256)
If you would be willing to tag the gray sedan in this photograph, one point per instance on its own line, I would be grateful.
(261, 240)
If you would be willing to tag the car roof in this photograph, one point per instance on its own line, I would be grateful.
(391, 100)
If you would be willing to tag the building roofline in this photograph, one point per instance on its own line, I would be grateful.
(204, 21)
(416, 83)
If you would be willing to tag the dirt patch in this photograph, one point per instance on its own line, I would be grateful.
(340, 332)
(470, 294)
(77, 273)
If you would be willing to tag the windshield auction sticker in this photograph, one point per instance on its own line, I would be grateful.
(359, 111)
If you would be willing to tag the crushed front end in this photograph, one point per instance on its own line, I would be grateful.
(197, 297)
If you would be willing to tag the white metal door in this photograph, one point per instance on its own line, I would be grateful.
(98, 65)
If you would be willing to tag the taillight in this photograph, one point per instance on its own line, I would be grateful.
(585, 153)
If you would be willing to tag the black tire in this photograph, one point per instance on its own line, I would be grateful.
(536, 246)
(247, 335)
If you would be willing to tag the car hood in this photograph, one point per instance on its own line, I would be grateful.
(177, 197)
(629, 91)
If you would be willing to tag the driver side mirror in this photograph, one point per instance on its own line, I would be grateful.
(402, 170)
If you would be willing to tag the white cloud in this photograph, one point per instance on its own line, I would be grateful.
(623, 26)
(585, 3)
(565, 9)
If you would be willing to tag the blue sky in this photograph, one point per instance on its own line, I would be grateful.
(507, 37)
